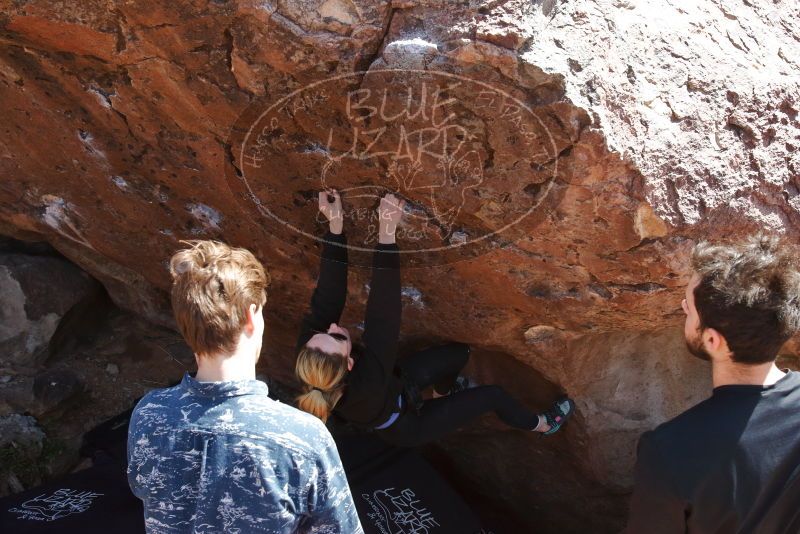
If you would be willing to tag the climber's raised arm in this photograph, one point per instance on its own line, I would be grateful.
(330, 295)
(382, 318)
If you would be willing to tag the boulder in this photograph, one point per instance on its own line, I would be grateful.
(35, 293)
(560, 159)
(53, 390)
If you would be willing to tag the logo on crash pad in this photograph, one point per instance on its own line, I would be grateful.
(399, 512)
(475, 162)
(56, 505)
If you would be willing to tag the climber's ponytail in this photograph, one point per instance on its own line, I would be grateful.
(322, 375)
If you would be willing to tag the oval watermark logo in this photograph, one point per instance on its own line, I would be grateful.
(475, 163)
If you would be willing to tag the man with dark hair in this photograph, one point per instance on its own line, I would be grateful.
(732, 462)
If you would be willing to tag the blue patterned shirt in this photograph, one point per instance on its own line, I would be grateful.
(208, 457)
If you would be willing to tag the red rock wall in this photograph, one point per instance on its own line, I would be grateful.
(598, 141)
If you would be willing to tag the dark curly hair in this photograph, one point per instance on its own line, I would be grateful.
(750, 293)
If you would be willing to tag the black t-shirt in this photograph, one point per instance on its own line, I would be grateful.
(731, 464)
(372, 386)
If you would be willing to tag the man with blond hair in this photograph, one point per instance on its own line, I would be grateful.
(215, 453)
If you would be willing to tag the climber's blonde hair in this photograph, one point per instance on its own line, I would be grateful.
(213, 285)
(326, 373)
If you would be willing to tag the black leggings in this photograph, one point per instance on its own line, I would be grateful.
(439, 366)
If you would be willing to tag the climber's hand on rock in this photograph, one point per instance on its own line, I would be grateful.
(330, 204)
(390, 212)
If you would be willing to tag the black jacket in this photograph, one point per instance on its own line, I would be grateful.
(372, 385)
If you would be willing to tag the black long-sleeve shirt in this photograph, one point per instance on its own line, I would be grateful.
(372, 388)
(731, 465)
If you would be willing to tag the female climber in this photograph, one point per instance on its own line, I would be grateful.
(366, 386)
